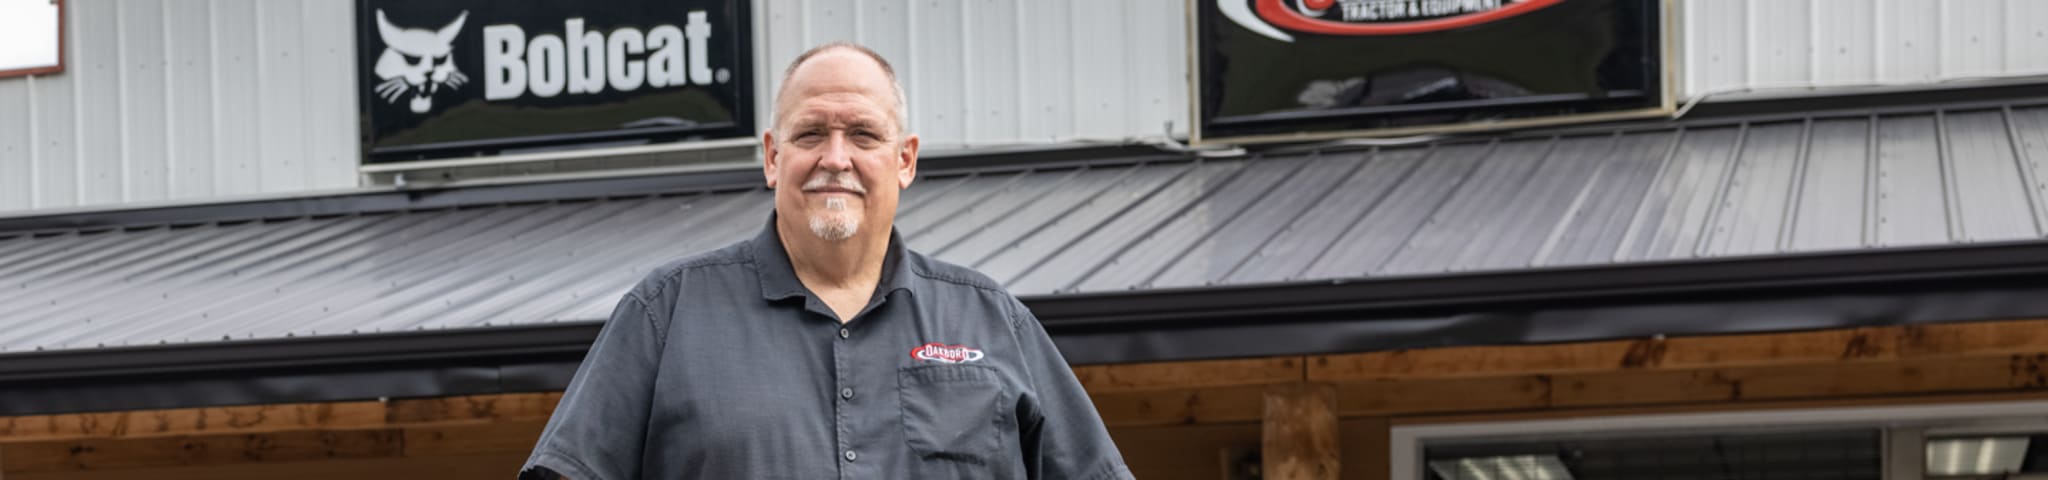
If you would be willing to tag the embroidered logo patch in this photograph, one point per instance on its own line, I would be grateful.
(943, 353)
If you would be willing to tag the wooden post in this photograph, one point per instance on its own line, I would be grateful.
(1300, 440)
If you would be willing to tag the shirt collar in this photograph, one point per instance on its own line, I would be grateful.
(778, 275)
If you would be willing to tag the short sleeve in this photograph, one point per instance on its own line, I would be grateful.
(1063, 436)
(598, 429)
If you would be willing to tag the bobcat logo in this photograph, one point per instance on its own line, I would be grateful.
(417, 61)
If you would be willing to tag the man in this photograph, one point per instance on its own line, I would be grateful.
(823, 347)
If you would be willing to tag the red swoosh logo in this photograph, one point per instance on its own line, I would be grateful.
(1276, 12)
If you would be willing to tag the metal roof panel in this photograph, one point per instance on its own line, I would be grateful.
(1226, 247)
(1833, 188)
(1912, 196)
(1995, 205)
(1822, 183)
(1324, 225)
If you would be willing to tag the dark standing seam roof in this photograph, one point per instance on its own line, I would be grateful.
(1825, 183)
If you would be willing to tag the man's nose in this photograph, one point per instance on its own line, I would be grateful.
(838, 155)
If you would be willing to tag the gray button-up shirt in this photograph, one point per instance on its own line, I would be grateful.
(723, 365)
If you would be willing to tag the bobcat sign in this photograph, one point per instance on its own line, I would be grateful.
(452, 78)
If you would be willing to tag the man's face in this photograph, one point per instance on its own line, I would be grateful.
(835, 157)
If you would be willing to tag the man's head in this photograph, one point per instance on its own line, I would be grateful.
(838, 153)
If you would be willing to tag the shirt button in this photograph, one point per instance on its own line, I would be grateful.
(846, 393)
(850, 456)
(843, 333)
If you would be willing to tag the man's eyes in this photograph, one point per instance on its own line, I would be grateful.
(863, 135)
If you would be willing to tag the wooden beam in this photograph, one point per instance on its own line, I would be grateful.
(191, 421)
(1300, 436)
(1099, 379)
(1963, 374)
(491, 438)
(1916, 360)
(115, 454)
(478, 467)
(253, 419)
(472, 409)
(1181, 407)
(1869, 344)
(422, 441)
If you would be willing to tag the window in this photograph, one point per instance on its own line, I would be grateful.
(31, 37)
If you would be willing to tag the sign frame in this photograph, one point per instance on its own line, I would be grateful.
(1665, 106)
(741, 82)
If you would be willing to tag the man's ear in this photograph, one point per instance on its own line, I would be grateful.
(768, 156)
(907, 170)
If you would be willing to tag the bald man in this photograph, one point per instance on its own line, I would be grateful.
(823, 347)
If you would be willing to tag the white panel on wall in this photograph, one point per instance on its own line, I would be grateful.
(1844, 42)
(280, 93)
(16, 163)
(56, 153)
(1780, 44)
(331, 141)
(95, 65)
(189, 100)
(1908, 38)
(2026, 36)
(237, 170)
(1744, 45)
(191, 53)
(938, 70)
(1716, 52)
(1972, 38)
(1101, 74)
(142, 102)
(1158, 86)
(1048, 89)
(992, 58)
(995, 72)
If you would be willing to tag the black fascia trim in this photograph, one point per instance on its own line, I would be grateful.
(452, 346)
(1407, 295)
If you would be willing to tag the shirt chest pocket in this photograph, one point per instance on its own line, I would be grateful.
(953, 413)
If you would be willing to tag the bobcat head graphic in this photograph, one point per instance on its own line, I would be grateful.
(417, 61)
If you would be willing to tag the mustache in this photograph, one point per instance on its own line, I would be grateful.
(842, 180)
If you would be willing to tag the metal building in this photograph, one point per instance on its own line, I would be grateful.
(1830, 267)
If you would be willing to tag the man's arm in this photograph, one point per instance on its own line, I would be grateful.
(597, 430)
(1062, 435)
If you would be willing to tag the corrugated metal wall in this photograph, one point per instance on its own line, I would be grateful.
(1736, 44)
(984, 72)
(205, 99)
(163, 100)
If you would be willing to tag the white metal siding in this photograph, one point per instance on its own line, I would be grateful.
(166, 100)
(993, 72)
(190, 100)
(1734, 45)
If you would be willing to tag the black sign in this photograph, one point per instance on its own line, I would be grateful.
(460, 77)
(1285, 67)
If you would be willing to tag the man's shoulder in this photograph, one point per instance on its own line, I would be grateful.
(661, 282)
(944, 272)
